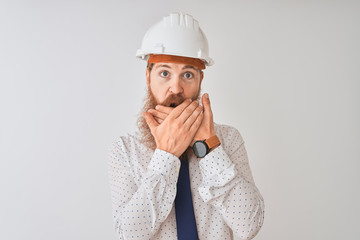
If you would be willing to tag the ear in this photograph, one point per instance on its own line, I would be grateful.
(201, 77)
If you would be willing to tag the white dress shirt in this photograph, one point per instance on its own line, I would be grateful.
(227, 204)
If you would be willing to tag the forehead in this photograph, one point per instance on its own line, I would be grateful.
(174, 66)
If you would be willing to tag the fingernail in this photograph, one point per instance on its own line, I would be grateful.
(157, 107)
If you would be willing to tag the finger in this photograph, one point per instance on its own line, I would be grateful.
(188, 111)
(195, 126)
(206, 103)
(192, 118)
(179, 109)
(158, 114)
(151, 122)
(158, 120)
(164, 109)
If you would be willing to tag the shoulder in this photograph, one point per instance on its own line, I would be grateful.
(127, 144)
(228, 132)
(229, 136)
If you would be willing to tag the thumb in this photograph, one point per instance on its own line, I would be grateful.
(151, 122)
(206, 104)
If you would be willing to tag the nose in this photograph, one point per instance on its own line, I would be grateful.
(176, 87)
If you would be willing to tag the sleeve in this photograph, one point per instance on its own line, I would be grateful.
(228, 185)
(140, 209)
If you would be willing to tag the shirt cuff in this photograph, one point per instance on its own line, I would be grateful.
(214, 163)
(164, 162)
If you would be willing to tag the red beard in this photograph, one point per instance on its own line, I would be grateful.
(173, 100)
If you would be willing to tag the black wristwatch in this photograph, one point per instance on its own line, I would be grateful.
(202, 148)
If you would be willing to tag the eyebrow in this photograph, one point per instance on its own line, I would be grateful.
(189, 66)
(162, 65)
(167, 66)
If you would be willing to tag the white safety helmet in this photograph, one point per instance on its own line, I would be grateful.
(177, 34)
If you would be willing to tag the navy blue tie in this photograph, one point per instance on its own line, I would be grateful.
(185, 218)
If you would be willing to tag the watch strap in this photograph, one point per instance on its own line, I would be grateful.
(212, 142)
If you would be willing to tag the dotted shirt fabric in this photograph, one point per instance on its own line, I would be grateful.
(227, 204)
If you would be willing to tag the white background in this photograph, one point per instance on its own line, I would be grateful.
(286, 74)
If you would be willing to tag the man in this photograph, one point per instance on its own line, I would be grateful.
(180, 176)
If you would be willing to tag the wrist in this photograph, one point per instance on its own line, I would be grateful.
(204, 136)
(203, 147)
(175, 153)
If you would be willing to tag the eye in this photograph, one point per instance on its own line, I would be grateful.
(164, 73)
(188, 75)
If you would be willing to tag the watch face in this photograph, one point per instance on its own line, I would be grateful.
(200, 149)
